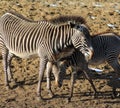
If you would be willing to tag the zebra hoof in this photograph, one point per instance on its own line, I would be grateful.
(12, 80)
(51, 94)
(13, 85)
(8, 87)
(68, 100)
(39, 98)
(96, 95)
(113, 96)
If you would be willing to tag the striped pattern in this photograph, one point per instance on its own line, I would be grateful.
(106, 48)
(24, 38)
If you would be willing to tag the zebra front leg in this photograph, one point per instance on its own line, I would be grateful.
(73, 77)
(62, 71)
(41, 74)
(55, 72)
(48, 71)
(91, 82)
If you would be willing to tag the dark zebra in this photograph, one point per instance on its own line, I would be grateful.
(107, 49)
(24, 38)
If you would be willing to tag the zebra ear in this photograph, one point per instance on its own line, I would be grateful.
(72, 24)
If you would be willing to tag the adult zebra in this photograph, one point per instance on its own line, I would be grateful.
(23, 37)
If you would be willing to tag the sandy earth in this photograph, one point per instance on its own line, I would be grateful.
(101, 16)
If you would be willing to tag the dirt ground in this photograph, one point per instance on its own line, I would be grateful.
(101, 16)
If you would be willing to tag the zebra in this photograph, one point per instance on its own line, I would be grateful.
(106, 48)
(49, 40)
(59, 70)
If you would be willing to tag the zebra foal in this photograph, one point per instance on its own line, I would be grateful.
(24, 38)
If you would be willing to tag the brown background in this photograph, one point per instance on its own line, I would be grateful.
(98, 13)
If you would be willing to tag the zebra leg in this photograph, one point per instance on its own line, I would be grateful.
(9, 59)
(116, 66)
(42, 67)
(86, 72)
(55, 72)
(73, 77)
(5, 65)
(62, 72)
(48, 71)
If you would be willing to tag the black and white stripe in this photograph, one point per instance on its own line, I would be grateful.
(23, 37)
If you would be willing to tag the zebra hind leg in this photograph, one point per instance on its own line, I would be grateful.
(73, 77)
(10, 75)
(42, 67)
(9, 59)
(86, 72)
(5, 65)
(116, 66)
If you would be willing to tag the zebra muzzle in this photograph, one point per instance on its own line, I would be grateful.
(89, 53)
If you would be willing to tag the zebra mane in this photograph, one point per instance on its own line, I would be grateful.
(62, 20)
(22, 17)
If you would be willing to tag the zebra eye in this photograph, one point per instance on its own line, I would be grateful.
(81, 29)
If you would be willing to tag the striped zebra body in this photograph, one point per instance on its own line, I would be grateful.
(24, 38)
(106, 48)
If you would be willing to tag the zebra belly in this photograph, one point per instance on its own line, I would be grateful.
(24, 54)
(64, 53)
(96, 61)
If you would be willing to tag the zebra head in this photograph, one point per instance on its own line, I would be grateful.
(81, 40)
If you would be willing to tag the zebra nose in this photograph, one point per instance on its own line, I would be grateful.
(89, 54)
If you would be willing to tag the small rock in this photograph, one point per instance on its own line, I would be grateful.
(19, 5)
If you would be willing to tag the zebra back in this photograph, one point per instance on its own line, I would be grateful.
(25, 37)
